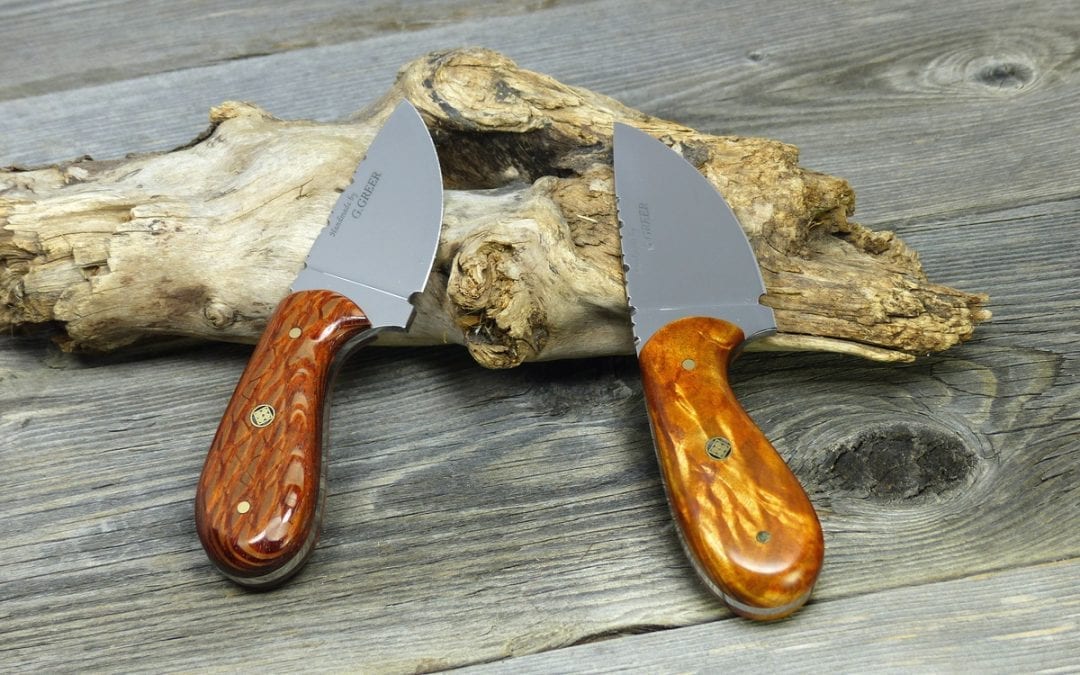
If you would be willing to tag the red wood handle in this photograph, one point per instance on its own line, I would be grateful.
(259, 502)
(745, 521)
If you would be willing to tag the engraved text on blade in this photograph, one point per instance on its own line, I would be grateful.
(645, 222)
(355, 202)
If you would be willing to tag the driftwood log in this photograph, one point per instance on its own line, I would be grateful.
(203, 241)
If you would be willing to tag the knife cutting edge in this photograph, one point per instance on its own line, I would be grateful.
(694, 287)
(258, 506)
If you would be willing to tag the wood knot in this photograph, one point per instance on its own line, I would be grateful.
(900, 462)
(1012, 63)
(1004, 74)
(218, 314)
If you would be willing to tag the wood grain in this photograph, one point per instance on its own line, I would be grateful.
(111, 37)
(976, 624)
(258, 507)
(501, 514)
(745, 521)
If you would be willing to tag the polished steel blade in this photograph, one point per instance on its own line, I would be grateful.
(379, 243)
(683, 250)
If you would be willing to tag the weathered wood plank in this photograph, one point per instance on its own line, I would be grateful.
(917, 108)
(1022, 620)
(475, 515)
(57, 45)
(526, 513)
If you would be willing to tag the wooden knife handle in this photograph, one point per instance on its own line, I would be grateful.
(744, 519)
(259, 502)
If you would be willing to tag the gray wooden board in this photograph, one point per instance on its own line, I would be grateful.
(53, 45)
(475, 515)
(905, 103)
(953, 626)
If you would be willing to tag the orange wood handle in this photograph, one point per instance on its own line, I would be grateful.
(744, 519)
(259, 502)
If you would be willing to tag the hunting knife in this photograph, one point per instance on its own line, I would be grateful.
(259, 501)
(694, 287)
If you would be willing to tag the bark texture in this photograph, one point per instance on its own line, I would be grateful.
(203, 241)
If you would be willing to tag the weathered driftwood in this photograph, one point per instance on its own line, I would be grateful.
(203, 241)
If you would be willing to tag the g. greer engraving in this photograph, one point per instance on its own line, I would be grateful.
(645, 225)
(355, 202)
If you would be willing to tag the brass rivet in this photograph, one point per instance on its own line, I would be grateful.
(262, 415)
(718, 447)
(243, 507)
(763, 537)
(689, 364)
(295, 333)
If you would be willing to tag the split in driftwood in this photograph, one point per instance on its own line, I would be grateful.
(203, 241)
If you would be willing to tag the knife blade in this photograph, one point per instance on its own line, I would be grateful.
(694, 286)
(258, 506)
